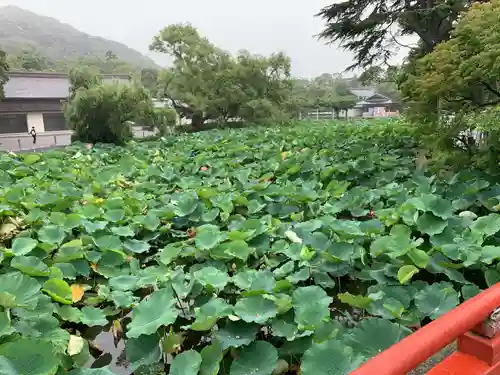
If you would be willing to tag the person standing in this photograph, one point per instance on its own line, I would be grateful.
(33, 134)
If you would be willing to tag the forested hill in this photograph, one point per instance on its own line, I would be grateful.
(22, 30)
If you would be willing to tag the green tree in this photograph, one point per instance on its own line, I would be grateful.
(342, 98)
(370, 29)
(34, 62)
(385, 81)
(82, 78)
(104, 66)
(163, 120)
(463, 72)
(29, 60)
(327, 91)
(149, 79)
(110, 55)
(207, 83)
(455, 90)
(4, 68)
(104, 112)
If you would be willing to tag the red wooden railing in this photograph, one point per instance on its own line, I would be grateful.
(476, 354)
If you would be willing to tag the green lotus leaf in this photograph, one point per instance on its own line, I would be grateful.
(358, 301)
(152, 313)
(310, 304)
(285, 326)
(29, 265)
(30, 159)
(211, 276)
(108, 242)
(244, 279)
(211, 356)
(136, 246)
(430, 224)
(486, 226)
(236, 334)
(208, 314)
(405, 273)
(284, 270)
(18, 290)
(258, 358)
(69, 251)
(299, 276)
(238, 249)
(92, 316)
(123, 283)
(469, 291)
(59, 290)
(51, 234)
(436, 299)
(373, 335)
(331, 357)
(68, 313)
(114, 215)
(437, 205)
(23, 245)
(5, 324)
(143, 350)
(256, 309)
(186, 204)
(30, 357)
(92, 371)
(123, 231)
(169, 253)
(186, 363)
(207, 236)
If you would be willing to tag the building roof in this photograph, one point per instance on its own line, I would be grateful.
(45, 85)
(363, 92)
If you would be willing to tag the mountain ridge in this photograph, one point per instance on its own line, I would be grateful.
(24, 30)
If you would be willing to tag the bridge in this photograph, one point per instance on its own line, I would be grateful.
(474, 325)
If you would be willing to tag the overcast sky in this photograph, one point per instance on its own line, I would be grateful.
(261, 26)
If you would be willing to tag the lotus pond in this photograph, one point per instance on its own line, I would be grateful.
(303, 249)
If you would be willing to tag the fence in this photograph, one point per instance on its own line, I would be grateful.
(24, 141)
(322, 114)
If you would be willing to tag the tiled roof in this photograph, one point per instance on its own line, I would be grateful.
(28, 85)
(364, 92)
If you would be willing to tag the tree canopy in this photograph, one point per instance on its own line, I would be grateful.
(325, 91)
(104, 112)
(463, 71)
(207, 83)
(4, 67)
(370, 29)
(32, 60)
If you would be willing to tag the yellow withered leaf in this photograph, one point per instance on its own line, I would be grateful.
(77, 292)
(75, 345)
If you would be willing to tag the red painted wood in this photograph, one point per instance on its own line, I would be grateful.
(487, 350)
(495, 370)
(460, 364)
(410, 352)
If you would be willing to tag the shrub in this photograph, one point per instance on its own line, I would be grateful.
(103, 112)
(164, 119)
(262, 110)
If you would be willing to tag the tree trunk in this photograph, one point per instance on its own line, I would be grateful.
(197, 121)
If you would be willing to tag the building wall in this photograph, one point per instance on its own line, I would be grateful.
(31, 105)
(35, 120)
(24, 141)
(54, 121)
(13, 123)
